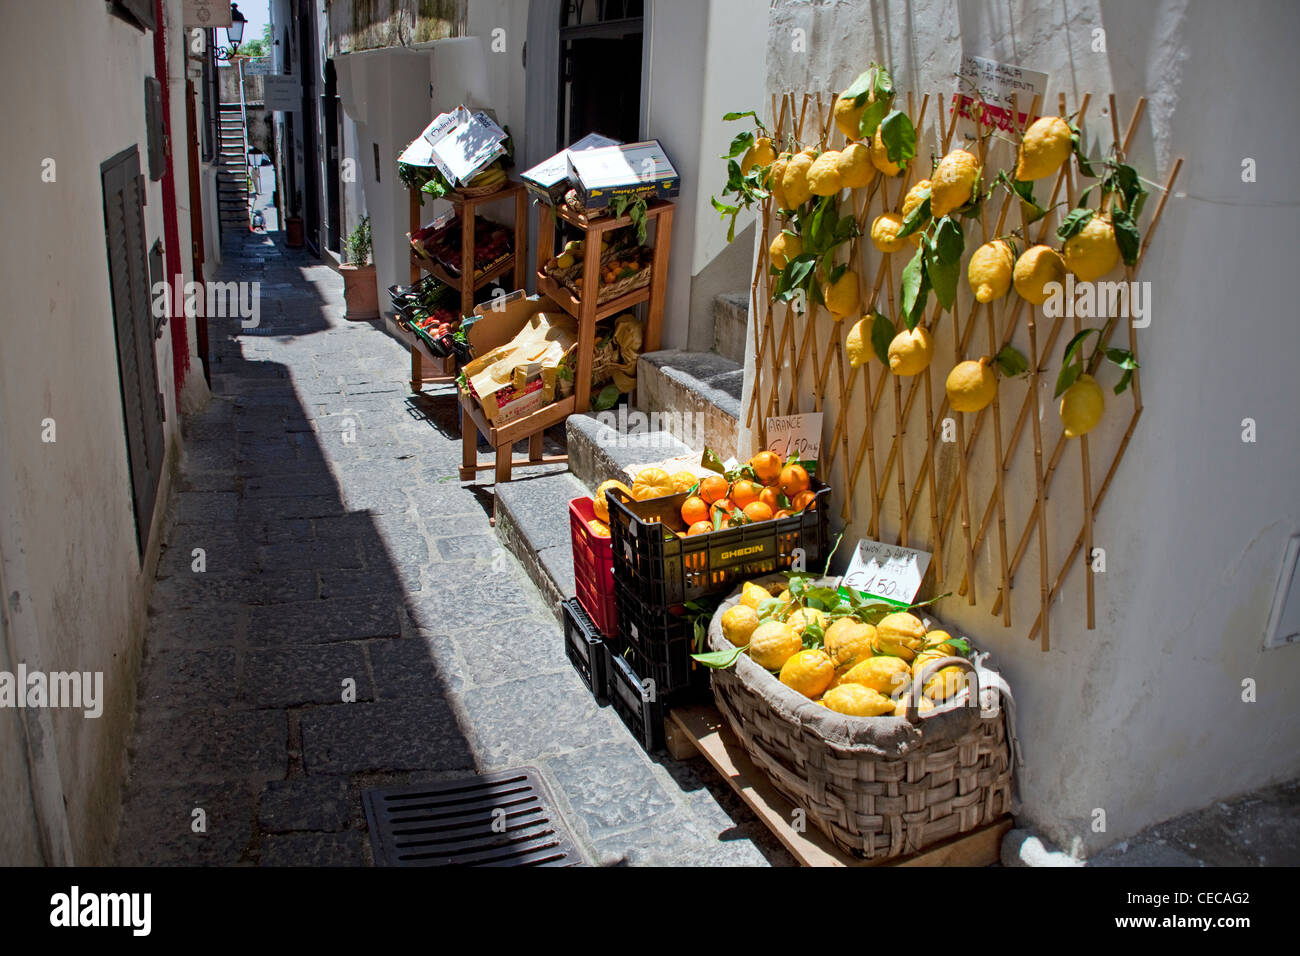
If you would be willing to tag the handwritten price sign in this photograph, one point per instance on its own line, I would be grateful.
(796, 435)
(886, 571)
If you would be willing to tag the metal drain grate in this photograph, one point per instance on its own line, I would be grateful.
(451, 822)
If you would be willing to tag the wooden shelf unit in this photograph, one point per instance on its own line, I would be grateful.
(466, 209)
(584, 307)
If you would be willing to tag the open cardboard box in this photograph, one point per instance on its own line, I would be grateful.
(495, 324)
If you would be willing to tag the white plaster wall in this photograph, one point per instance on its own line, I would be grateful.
(73, 496)
(1143, 717)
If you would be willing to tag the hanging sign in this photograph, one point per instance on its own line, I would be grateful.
(283, 92)
(795, 435)
(206, 13)
(887, 571)
(985, 88)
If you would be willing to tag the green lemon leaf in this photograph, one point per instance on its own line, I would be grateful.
(607, 398)
(1069, 374)
(1074, 220)
(728, 117)
(899, 136)
(1122, 384)
(740, 144)
(860, 87)
(1011, 361)
(942, 275)
(949, 241)
(1076, 342)
(882, 333)
(1076, 143)
(1122, 357)
(1127, 236)
(719, 660)
(913, 276)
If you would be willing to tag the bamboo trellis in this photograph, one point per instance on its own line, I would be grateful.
(933, 455)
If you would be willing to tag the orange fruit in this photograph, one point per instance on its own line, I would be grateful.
(713, 488)
(794, 479)
(802, 500)
(744, 491)
(757, 511)
(771, 496)
(700, 527)
(694, 509)
(724, 508)
(598, 528)
(783, 513)
(767, 466)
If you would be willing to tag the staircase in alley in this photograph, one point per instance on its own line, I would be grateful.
(232, 174)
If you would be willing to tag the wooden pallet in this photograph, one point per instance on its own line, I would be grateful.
(700, 730)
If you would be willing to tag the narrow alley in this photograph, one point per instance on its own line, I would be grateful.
(341, 551)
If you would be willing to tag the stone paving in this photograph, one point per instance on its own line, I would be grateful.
(342, 555)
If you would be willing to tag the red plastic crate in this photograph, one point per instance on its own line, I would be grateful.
(593, 568)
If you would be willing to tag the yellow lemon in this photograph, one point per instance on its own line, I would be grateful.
(760, 154)
(684, 481)
(855, 166)
(971, 386)
(900, 635)
(857, 345)
(884, 232)
(772, 644)
(885, 675)
(953, 182)
(915, 196)
(989, 270)
(880, 156)
(857, 701)
(599, 505)
(1092, 251)
(738, 624)
(804, 616)
(943, 683)
(910, 352)
(1034, 270)
(1046, 145)
(808, 672)
(754, 595)
(794, 184)
(842, 295)
(848, 641)
(1081, 406)
(784, 248)
(775, 176)
(848, 116)
(824, 174)
(937, 640)
(653, 483)
(923, 706)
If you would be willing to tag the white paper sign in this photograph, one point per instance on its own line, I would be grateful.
(283, 92)
(994, 83)
(888, 571)
(795, 435)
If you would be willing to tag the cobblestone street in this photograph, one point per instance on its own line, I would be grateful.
(339, 546)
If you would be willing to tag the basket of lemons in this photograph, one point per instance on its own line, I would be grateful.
(868, 717)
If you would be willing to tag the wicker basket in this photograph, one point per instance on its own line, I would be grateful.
(876, 786)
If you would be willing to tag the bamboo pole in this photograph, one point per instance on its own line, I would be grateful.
(1085, 456)
(766, 342)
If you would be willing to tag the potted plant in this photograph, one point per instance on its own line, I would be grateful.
(293, 224)
(359, 289)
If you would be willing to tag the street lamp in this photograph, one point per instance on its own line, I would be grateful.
(234, 34)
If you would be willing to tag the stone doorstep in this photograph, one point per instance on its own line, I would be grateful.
(730, 325)
(532, 521)
(599, 452)
(689, 384)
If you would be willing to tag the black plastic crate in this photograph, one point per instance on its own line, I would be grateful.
(586, 650)
(638, 706)
(658, 644)
(667, 570)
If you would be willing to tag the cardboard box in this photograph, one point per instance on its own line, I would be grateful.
(459, 144)
(496, 323)
(635, 170)
(548, 181)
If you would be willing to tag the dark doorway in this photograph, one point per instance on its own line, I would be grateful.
(332, 124)
(600, 69)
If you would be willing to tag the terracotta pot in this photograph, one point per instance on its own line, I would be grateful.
(293, 232)
(360, 292)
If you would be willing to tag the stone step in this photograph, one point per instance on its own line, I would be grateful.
(730, 322)
(603, 445)
(701, 390)
(532, 521)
